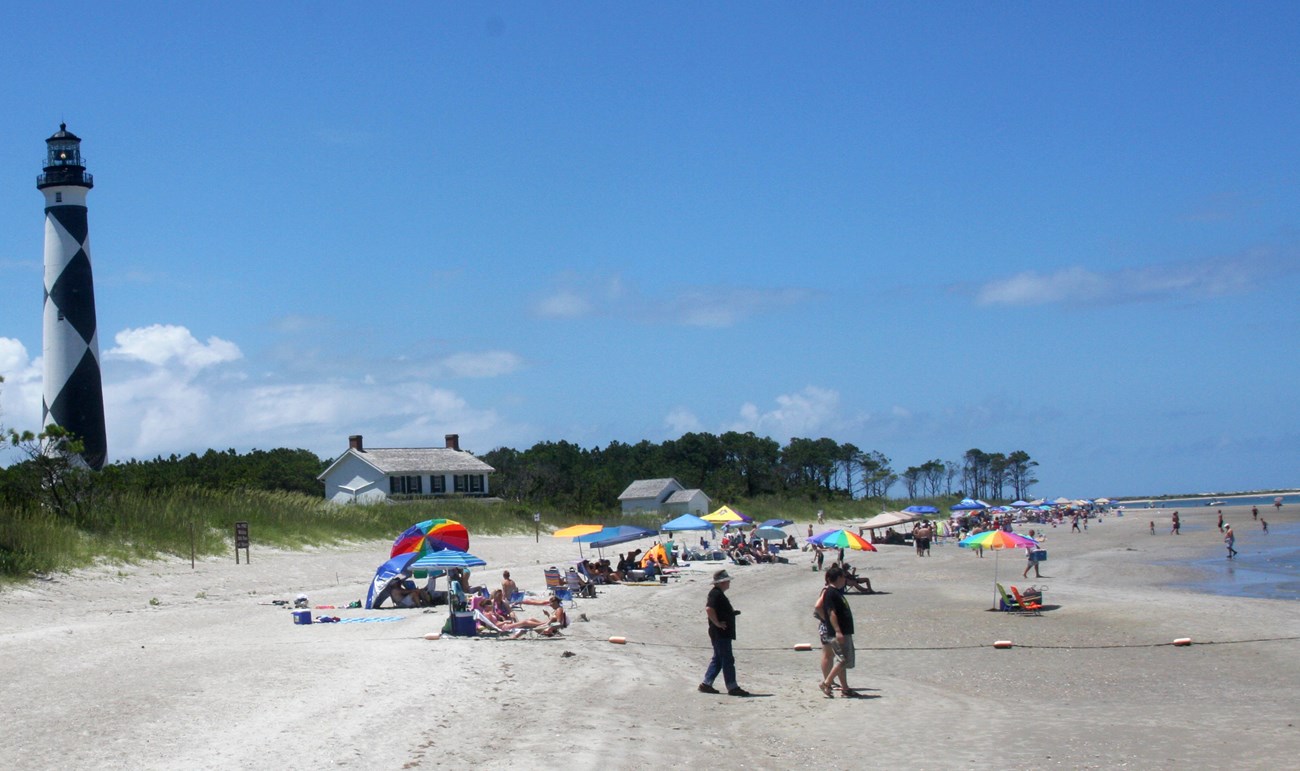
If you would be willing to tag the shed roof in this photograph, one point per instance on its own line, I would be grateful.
(648, 488)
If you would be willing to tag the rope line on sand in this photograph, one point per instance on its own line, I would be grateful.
(1104, 646)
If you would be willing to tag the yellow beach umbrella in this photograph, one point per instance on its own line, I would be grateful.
(573, 531)
(725, 514)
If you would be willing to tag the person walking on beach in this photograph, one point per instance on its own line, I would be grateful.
(1153, 527)
(1254, 512)
(836, 632)
(1230, 539)
(722, 631)
(1264, 522)
(1174, 528)
(1074, 524)
(1220, 520)
(1031, 552)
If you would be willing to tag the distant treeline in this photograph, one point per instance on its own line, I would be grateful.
(271, 470)
(736, 465)
(564, 476)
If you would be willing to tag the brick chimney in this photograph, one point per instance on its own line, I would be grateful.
(354, 443)
(453, 441)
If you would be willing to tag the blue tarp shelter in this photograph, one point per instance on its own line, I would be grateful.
(686, 522)
(611, 536)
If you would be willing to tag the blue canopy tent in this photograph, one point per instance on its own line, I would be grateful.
(969, 505)
(686, 522)
(380, 584)
(921, 510)
(777, 523)
(613, 535)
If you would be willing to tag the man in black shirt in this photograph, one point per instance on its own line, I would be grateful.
(722, 630)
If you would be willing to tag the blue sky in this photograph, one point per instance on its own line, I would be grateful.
(1067, 230)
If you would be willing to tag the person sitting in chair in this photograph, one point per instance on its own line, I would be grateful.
(556, 619)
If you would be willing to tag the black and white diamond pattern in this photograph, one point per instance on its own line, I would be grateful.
(74, 394)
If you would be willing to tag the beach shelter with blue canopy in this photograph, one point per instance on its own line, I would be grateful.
(381, 583)
(686, 522)
(617, 534)
(921, 510)
(968, 504)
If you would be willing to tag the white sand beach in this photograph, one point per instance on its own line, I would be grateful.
(160, 666)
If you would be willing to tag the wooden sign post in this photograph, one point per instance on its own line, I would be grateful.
(241, 541)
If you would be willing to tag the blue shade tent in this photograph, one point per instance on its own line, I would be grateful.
(686, 522)
(386, 573)
(777, 523)
(614, 535)
(922, 510)
(969, 505)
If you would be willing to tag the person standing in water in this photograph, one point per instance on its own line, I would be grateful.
(1230, 539)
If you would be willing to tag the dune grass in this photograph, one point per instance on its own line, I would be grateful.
(131, 527)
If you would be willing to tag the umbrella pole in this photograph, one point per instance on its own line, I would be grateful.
(996, 554)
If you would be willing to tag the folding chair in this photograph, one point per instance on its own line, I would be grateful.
(1026, 605)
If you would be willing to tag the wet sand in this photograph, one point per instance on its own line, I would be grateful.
(160, 666)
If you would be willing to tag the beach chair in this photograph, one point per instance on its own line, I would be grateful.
(517, 599)
(486, 623)
(554, 580)
(1008, 604)
(1026, 605)
(576, 587)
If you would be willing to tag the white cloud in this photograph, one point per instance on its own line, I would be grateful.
(718, 306)
(1189, 280)
(165, 392)
(681, 421)
(161, 344)
(812, 411)
(20, 393)
(482, 364)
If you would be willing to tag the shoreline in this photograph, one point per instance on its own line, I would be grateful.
(213, 676)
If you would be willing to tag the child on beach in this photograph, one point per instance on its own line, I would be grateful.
(1153, 527)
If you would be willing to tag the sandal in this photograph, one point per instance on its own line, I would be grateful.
(849, 693)
(826, 689)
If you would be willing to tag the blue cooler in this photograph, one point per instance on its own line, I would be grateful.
(1040, 555)
(302, 617)
(463, 625)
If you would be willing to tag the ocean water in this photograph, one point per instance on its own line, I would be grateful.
(1264, 502)
(1268, 565)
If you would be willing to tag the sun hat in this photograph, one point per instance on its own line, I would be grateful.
(721, 576)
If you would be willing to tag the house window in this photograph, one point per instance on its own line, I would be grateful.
(469, 483)
(413, 485)
(437, 484)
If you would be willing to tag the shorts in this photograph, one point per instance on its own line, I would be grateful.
(844, 651)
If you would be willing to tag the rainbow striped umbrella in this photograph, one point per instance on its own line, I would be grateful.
(997, 540)
(842, 539)
(432, 535)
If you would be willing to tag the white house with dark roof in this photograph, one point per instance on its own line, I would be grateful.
(373, 475)
(666, 496)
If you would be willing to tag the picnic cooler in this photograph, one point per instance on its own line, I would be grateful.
(302, 617)
(1040, 555)
(463, 624)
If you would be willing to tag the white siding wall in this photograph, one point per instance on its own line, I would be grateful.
(364, 484)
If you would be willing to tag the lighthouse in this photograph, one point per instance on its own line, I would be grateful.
(73, 393)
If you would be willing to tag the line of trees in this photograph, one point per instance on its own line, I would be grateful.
(981, 474)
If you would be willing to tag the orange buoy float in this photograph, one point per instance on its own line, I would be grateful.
(618, 640)
(1002, 644)
(803, 647)
(1182, 641)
